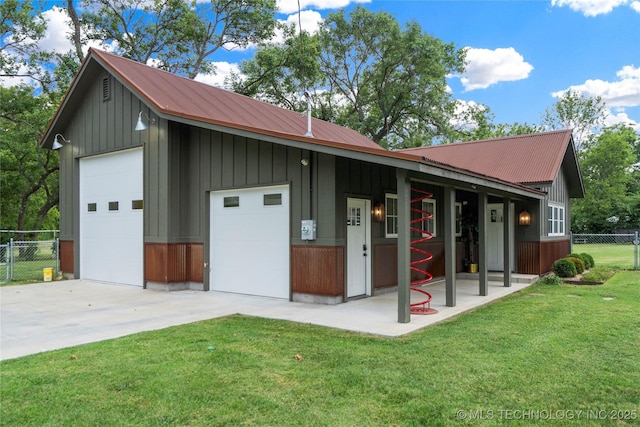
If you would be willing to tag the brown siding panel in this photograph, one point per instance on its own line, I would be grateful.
(528, 256)
(173, 262)
(551, 251)
(195, 262)
(385, 265)
(538, 257)
(66, 256)
(317, 270)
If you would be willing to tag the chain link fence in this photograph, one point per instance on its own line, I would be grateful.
(31, 255)
(618, 250)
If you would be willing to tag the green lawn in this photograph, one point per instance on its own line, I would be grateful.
(549, 351)
(611, 254)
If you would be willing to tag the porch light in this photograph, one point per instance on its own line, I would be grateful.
(378, 212)
(140, 125)
(57, 144)
(524, 218)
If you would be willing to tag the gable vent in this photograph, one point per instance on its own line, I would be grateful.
(106, 89)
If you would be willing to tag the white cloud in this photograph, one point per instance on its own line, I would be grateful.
(622, 93)
(290, 6)
(309, 20)
(486, 67)
(621, 117)
(463, 109)
(56, 37)
(222, 71)
(594, 7)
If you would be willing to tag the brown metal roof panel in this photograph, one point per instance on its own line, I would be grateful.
(175, 95)
(534, 158)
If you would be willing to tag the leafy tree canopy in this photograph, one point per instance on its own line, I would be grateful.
(368, 74)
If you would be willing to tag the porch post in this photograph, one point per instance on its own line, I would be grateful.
(482, 245)
(450, 245)
(507, 223)
(404, 251)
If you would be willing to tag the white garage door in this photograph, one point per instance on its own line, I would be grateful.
(250, 241)
(111, 217)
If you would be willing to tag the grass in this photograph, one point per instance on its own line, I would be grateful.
(547, 348)
(28, 271)
(612, 254)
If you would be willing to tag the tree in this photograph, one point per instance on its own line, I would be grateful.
(606, 170)
(369, 74)
(180, 35)
(21, 26)
(574, 111)
(476, 123)
(29, 190)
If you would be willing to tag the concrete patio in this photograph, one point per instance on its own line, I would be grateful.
(53, 315)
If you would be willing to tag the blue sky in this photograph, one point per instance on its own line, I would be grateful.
(522, 54)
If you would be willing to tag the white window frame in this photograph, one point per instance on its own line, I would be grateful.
(458, 230)
(429, 205)
(556, 219)
(391, 215)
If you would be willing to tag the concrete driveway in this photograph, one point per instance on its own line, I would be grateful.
(53, 315)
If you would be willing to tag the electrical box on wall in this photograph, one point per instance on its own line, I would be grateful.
(308, 229)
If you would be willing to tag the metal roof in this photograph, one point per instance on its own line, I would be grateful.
(180, 99)
(533, 159)
(178, 96)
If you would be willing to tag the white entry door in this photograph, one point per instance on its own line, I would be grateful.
(249, 241)
(358, 247)
(495, 237)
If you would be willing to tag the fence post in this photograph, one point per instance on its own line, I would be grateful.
(57, 255)
(636, 242)
(10, 259)
(570, 242)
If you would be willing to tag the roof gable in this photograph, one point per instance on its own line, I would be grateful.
(534, 159)
(180, 97)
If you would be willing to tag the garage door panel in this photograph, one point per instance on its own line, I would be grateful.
(250, 243)
(111, 236)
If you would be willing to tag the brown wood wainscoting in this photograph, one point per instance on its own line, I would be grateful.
(317, 270)
(174, 262)
(385, 263)
(67, 264)
(538, 257)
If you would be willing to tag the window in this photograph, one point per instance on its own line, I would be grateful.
(391, 214)
(272, 199)
(113, 206)
(232, 201)
(429, 225)
(137, 205)
(354, 217)
(458, 231)
(92, 207)
(555, 220)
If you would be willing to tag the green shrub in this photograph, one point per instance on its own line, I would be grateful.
(588, 261)
(584, 259)
(550, 279)
(578, 263)
(564, 268)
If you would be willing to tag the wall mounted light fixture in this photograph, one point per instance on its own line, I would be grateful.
(524, 218)
(140, 125)
(56, 142)
(377, 213)
(304, 161)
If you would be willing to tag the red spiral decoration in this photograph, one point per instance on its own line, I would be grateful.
(419, 265)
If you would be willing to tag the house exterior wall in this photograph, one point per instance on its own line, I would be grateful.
(98, 126)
